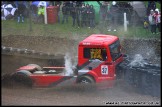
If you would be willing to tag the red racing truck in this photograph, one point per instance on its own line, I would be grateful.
(98, 56)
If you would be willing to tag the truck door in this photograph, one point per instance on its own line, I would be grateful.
(99, 63)
(105, 69)
(108, 57)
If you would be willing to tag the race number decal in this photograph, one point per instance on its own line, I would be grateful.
(104, 69)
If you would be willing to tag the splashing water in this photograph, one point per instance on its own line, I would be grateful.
(138, 61)
(68, 65)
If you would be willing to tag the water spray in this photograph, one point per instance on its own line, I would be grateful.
(68, 65)
(138, 61)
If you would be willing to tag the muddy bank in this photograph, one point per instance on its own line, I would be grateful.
(52, 45)
(59, 45)
(55, 45)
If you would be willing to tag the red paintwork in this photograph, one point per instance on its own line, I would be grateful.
(26, 68)
(45, 80)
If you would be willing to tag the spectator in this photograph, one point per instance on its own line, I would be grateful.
(87, 15)
(79, 3)
(41, 10)
(20, 11)
(92, 16)
(146, 23)
(58, 4)
(108, 16)
(152, 21)
(158, 20)
(151, 6)
(83, 15)
(102, 12)
(68, 5)
(65, 13)
(114, 11)
(79, 15)
(75, 15)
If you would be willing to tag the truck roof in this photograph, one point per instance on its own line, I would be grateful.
(99, 39)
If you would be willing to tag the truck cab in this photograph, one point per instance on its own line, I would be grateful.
(98, 56)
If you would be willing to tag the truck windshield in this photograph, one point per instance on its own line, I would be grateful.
(115, 50)
(95, 53)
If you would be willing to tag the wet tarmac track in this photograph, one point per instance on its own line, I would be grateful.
(75, 95)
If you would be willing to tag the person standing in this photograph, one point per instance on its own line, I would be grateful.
(65, 13)
(58, 4)
(20, 11)
(108, 16)
(102, 15)
(146, 23)
(87, 15)
(83, 15)
(151, 6)
(78, 10)
(75, 15)
(92, 17)
(114, 12)
(158, 20)
(41, 10)
(152, 21)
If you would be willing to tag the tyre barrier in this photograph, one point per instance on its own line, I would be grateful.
(52, 59)
(26, 52)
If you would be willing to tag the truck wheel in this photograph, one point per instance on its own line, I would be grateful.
(86, 80)
(37, 66)
(87, 83)
(23, 78)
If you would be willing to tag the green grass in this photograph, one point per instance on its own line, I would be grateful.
(11, 27)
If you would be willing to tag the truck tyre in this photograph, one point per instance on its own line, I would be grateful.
(37, 66)
(23, 77)
(87, 83)
(86, 79)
